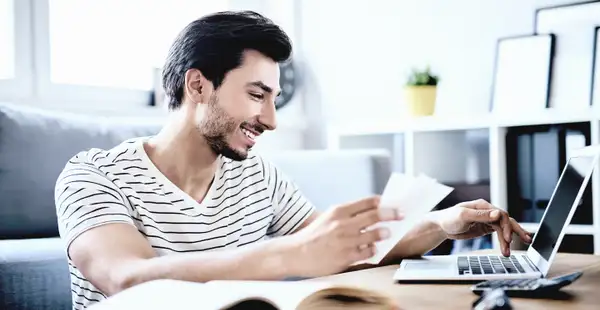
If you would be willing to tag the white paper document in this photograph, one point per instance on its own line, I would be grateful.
(414, 197)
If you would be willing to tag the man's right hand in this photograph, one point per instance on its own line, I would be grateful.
(340, 237)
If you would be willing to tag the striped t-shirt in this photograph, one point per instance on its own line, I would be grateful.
(248, 201)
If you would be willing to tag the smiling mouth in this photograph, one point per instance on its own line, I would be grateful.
(250, 134)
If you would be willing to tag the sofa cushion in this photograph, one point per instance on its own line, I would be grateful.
(35, 275)
(34, 147)
(333, 177)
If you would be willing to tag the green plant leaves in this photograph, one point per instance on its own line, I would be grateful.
(422, 77)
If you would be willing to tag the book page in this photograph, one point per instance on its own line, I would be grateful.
(284, 294)
(414, 197)
(174, 294)
(303, 295)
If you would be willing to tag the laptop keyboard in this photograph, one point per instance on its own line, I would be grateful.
(489, 264)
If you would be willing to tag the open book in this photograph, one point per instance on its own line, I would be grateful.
(238, 295)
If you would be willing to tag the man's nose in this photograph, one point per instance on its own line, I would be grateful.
(268, 116)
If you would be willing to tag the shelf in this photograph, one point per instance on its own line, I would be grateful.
(548, 116)
(463, 122)
(464, 148)
(573, 229)
(423, 124)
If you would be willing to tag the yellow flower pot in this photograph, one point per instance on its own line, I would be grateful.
(420, 99)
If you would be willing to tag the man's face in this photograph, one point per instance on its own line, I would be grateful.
(242, 108)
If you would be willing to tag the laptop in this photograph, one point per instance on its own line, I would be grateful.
(536, 262)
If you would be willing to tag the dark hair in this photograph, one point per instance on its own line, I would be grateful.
(214, 44)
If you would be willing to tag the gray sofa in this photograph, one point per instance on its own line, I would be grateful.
(35, 145)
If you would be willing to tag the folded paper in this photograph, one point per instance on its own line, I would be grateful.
(415, 197)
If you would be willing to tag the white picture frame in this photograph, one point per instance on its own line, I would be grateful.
(573, 25)
(596, 69)
(522, 70)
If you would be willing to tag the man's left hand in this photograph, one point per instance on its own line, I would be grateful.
(476, 218)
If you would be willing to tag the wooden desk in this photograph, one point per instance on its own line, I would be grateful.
(585, 291)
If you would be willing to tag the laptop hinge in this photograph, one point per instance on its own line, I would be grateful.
(530, 263)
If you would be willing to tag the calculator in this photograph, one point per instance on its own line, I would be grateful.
(527, 287)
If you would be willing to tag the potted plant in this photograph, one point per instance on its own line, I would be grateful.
(421, 92)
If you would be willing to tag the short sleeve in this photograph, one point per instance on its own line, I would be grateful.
(85, 198)
(291, 207)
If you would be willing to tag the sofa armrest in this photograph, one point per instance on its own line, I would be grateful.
(332, 177)
(34, 274)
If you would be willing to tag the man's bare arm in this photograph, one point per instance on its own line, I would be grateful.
(418, 241)
(114, 257)
(466, 220)
(120, 257)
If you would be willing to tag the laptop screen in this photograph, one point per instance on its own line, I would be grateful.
(559, 207)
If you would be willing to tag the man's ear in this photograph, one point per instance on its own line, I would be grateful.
(196, 86)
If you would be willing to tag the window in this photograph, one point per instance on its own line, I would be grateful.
(7, 40)
(115, 43)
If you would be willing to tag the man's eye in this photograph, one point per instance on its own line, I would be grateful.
(257, 96)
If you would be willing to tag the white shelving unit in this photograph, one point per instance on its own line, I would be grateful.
(437, 146)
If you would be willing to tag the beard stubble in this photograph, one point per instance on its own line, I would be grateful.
(215, 128)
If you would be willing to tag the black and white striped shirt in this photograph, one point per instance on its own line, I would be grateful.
(247, 202)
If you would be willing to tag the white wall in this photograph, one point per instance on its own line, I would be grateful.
(291, 119)
(290, 133)
(353, 56)
(358, 52)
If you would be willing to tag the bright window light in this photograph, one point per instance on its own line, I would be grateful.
(116, 43)
(7, 39)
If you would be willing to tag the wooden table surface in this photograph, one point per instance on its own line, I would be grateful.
(585, 292)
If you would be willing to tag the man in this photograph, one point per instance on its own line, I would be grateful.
(193, 203)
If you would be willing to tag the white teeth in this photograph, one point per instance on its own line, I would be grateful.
(248, 134)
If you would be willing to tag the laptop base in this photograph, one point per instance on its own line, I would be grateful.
(464, 269)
